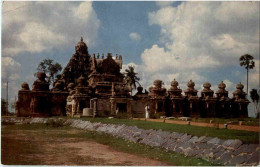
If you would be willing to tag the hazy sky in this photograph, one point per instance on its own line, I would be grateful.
(201, 41)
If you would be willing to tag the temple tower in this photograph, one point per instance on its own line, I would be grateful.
(79, 64)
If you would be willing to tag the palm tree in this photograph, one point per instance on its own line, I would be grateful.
(131, 78)
(247, 61)
(255, 98)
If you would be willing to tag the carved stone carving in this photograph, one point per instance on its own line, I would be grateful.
(41, 84)
(239, 94)
(191, 91)
(174, 91)
(78, 65)
(207, 92)
(25, 86)
(157, 91)
(222, 93)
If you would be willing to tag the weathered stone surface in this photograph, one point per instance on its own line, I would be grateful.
(218, 149)
(214, 141)
(192, 152)
(253, 159)
(246, 148)
(176, 135)
(234, 144)
(200, 139)
(207, 155)
(206, 139)
(237, 160)
(178, 150)
(193, 139)
(225, 157)
(185, 138)
(202, 146)
(167, 143)
(187, 145)
(219, 152)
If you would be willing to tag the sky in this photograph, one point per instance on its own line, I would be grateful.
(201, 41)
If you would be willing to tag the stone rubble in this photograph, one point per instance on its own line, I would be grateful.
(225, 152)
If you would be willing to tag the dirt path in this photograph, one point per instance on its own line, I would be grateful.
(236, 127)
(31, 147)
(99, 154)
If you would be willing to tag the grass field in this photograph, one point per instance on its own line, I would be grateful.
(29, 146)
(245, 136)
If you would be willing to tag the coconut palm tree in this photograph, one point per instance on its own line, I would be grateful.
(247, 61)
(131, 78)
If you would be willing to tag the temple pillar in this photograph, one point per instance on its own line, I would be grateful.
(113, 107)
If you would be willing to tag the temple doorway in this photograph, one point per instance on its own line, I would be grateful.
(122, 107)
(159, 106)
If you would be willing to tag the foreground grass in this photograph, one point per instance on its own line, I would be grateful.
(12, 150)
(245, 136)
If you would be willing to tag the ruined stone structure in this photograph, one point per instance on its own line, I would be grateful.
(94, 83)
(173, 103)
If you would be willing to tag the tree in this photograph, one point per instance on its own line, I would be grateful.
(131, 78)
(51, 69)
(247, 61)
(255, 98)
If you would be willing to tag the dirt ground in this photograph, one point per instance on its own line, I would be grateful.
(236, 127)
(31, 147)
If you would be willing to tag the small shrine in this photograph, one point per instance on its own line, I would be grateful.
(157, 96)
(240, 102)
(176, 99)
(208, 101)
(223, 101)
(40, 97)
(79, 98)
(140, 99)
(24, 100)
(193, 100)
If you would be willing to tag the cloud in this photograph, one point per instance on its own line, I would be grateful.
(201, 37)
(9, 72)
(10, 69)
(41, 26)
(135, 36)
(164, 3)
(196, 30)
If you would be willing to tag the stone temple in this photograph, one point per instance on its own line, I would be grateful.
(94, 86)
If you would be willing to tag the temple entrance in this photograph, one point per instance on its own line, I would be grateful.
(122, 107)
(159, 106)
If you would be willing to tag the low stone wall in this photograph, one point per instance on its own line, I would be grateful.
(226, 152)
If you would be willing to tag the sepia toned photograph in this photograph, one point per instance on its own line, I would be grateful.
(130, 83)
